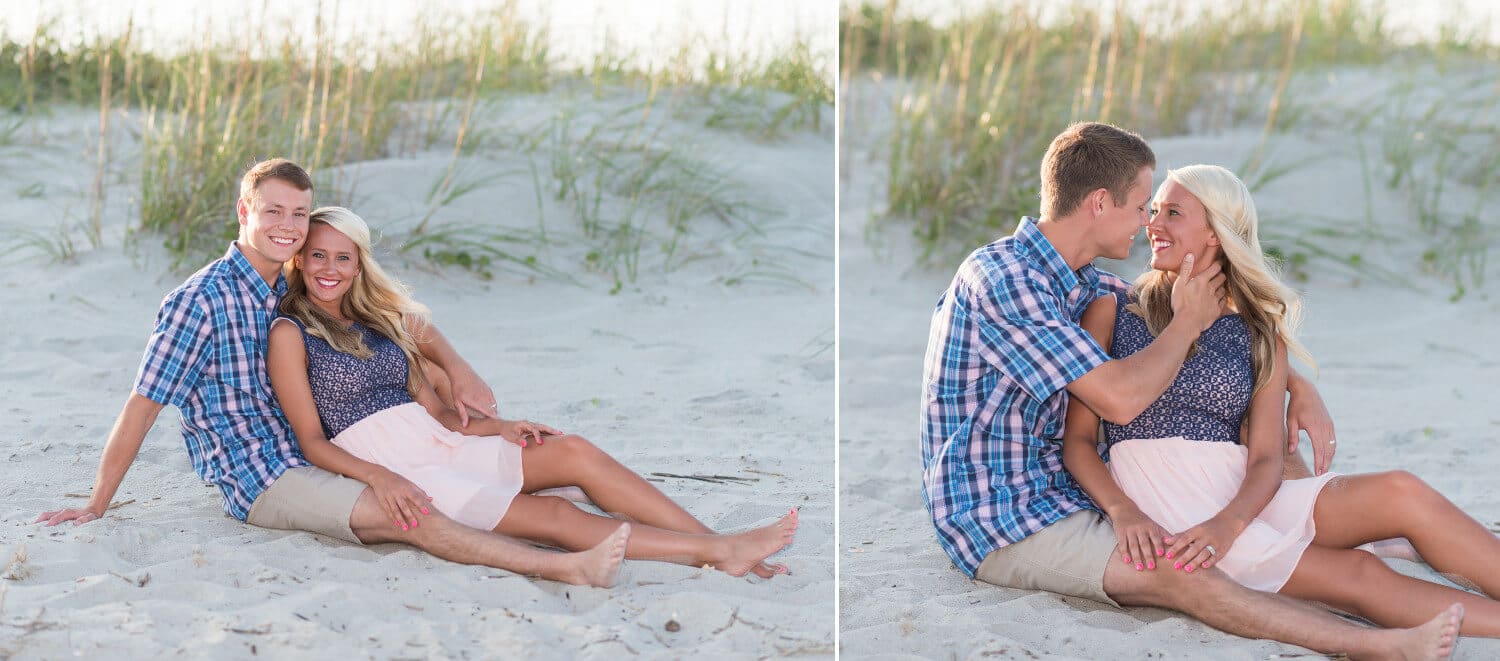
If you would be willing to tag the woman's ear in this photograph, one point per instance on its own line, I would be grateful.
(1213, 239)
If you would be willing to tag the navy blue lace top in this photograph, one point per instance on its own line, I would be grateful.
(347, 389)
(1212, 391)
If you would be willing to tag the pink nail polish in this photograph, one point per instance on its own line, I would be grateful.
(1158, 553)
(1190, 569)
(1177, 565)
(403, 527)
(424, 511)
(1138, 566)
(1127, 559)
(1169, 555)
(1150, 565)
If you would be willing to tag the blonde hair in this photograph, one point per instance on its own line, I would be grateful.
(375, 299)
(1269, 308)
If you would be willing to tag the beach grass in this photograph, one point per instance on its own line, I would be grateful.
(208, 110)
(978, 98)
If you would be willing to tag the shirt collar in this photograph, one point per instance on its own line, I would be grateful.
(240, 266)
(1034, 247)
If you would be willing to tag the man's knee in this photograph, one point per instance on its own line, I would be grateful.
(1165, 587)
(373, 525)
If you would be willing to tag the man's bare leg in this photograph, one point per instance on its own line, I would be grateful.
(455, 542)
(1216, 600)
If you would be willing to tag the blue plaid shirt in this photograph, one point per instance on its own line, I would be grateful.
(1004, 344)
(207, 358)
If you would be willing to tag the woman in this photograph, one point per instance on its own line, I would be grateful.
(343, 361)
(1180, 465)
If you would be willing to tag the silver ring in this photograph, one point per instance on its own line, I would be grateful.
(1211, 550)
(1332, 442)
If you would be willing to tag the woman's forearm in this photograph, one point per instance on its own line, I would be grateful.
(1262, 480)
(1081, 459)
(334, 459)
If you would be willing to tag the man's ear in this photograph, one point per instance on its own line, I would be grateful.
(1097, 200)
(242, 210)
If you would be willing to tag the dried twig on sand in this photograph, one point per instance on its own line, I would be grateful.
(715, 479)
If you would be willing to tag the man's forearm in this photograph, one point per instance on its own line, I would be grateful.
(121, 449)
(434, 347)
(1150, 371)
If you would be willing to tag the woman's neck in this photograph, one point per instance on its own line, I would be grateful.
(333, 309)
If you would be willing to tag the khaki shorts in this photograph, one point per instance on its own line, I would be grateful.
(1067, 557)
(311, 499)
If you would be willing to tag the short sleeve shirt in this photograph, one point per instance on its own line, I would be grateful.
(207, 357)
(1005, 342)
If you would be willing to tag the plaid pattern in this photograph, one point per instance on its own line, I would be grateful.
(1004, 344)
(207, 358)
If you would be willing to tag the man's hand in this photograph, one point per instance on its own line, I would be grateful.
(400, 499)
(1198, 297)
(471, 393)
(517, 431)
(76, 515)
(1141, 540)
(1305, 411)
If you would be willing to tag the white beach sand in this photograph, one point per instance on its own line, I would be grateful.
(1408, 375)
(714, 368)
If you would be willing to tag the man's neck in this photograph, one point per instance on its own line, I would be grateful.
(1069, 237)
(267, 269)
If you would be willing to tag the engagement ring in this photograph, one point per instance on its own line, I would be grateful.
(1211, 550)
(1332, 442)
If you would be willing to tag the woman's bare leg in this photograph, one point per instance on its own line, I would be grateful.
(558, 522)
(1355, 509)
(1359, 583)
(573, 461)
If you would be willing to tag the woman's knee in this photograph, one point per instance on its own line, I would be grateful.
(1404, 488)
(576, 447)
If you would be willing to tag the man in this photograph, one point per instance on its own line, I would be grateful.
(206, 356)
(1004, 354)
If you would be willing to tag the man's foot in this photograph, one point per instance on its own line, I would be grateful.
(1433, 640)
(600, 566)
(745, 551)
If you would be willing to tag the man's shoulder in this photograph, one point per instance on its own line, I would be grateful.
(201, 289)
(1000, 269)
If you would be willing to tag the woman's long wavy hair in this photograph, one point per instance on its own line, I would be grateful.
(375, 299)
(1268, 307)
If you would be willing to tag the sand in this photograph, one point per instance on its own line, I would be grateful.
(685, 372)
(1407, 374)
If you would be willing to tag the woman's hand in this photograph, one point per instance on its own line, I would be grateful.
(1201, 546)
(516, 431)
(400, 499)
(1141, 540)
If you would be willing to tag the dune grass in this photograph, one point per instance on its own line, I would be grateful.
(211, 109)
(979, 98)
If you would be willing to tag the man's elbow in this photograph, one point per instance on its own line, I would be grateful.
(1117, 408)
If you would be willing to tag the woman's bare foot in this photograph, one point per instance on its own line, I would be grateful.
(1431, 641)
(600, 566)
(745, 551)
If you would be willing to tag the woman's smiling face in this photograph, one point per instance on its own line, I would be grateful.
(1179, 226)
(329, 262)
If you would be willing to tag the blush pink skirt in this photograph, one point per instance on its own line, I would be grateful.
(1180, 483)
(471, 479)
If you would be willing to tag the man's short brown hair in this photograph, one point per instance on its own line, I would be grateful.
(276, 168)
(1089, 156)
